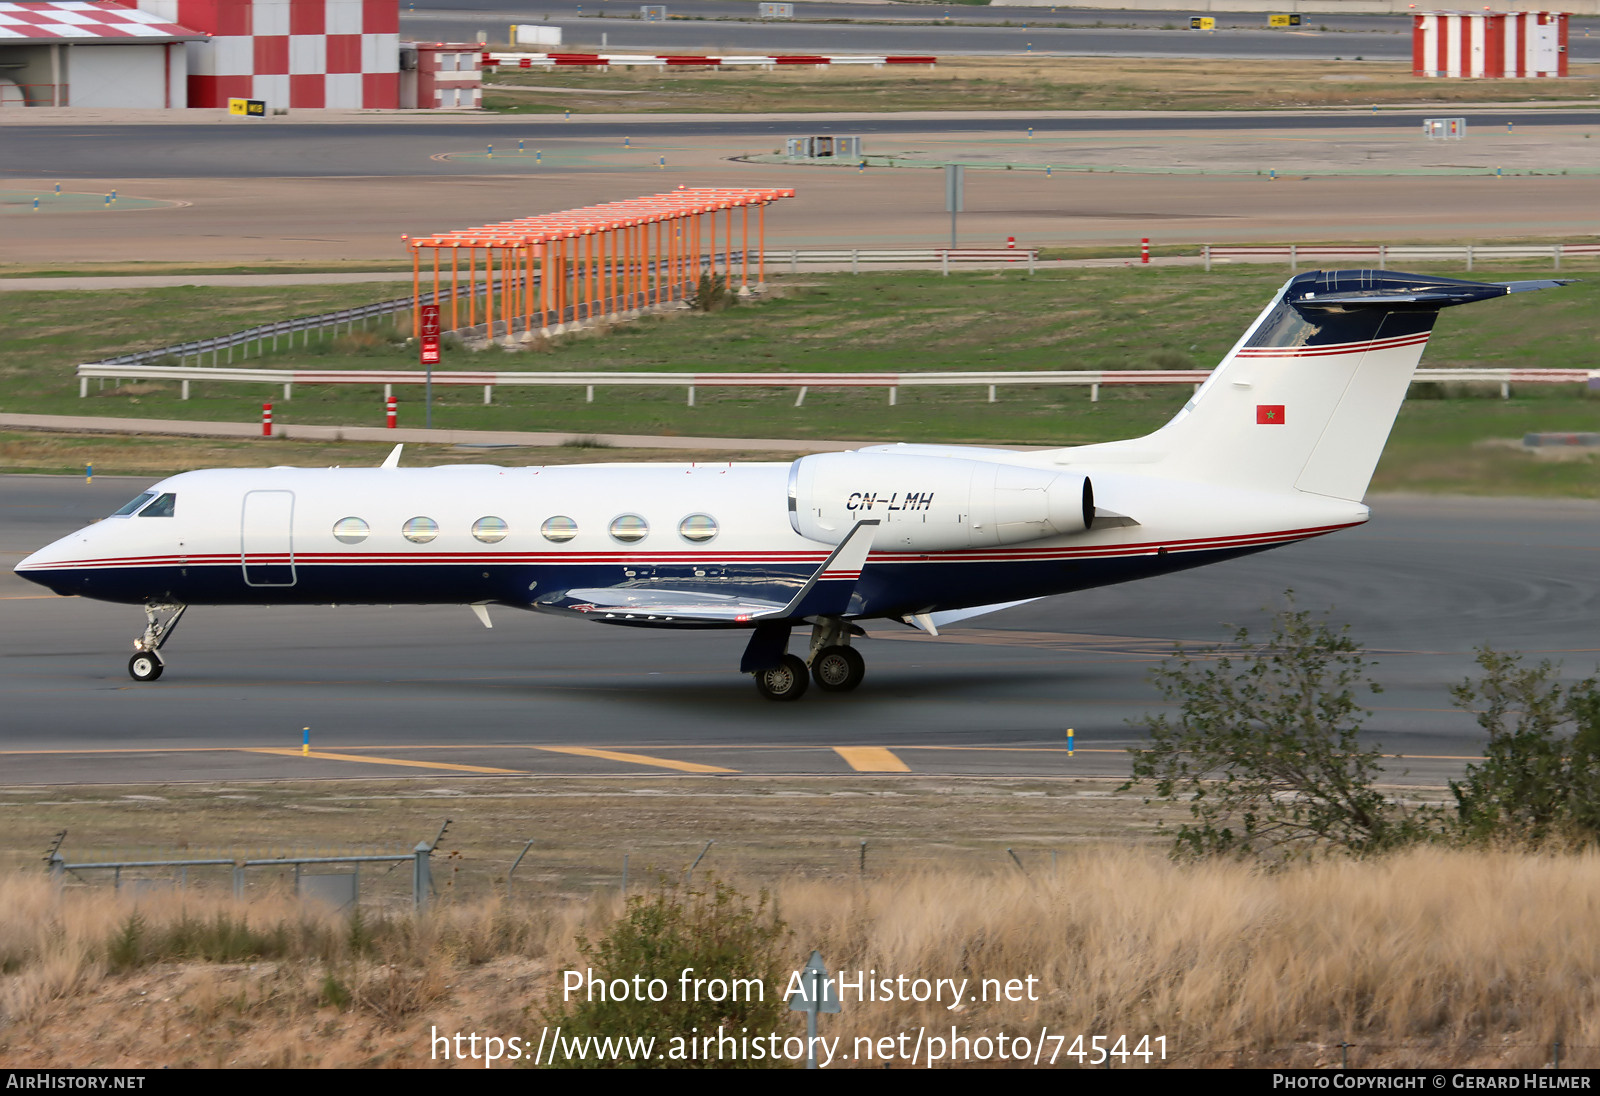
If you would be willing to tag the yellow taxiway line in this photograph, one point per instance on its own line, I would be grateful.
(285, 751)
(637, 759)
(871, 759)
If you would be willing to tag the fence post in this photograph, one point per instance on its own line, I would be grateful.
(855, 256)
(513, 870)
(1294, 258)
(1469, 257)
(238, 878)
(1555, 253)
(794, 260)
(421, 876)
(944, 262)
(1383, 256)
(691, 395)
(1205, 250)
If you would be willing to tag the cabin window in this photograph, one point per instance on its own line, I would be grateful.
(629, 528)
(350, 530)
(559, 529)
(163, 507)
(420, 530)
(697, 528)
(134, 504)
(490, 530)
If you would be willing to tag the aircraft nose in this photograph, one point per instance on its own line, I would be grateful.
(45, 567)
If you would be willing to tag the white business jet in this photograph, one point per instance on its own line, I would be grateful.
(1277, 446)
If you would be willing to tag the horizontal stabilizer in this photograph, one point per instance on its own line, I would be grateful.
(1382, 289)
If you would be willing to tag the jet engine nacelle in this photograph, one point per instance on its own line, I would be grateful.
(934, 503)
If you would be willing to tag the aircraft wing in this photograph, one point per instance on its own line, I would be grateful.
(826, 592)
(620, 605)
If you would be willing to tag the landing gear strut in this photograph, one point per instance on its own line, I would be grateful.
(146, 663)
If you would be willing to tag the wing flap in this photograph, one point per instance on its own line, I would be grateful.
(615, 605)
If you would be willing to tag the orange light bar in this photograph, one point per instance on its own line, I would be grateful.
(603, 218)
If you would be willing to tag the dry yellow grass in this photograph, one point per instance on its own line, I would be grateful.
(1428, 958)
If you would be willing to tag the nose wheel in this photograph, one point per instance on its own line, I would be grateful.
(146, 663)
(145, 666)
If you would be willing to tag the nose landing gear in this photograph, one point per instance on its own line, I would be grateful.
(146, 663)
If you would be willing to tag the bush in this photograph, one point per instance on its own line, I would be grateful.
(1540, 777)
(711, 294)
(712, 933)
(1265, 750)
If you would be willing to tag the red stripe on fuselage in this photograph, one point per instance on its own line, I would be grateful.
(1021, 554)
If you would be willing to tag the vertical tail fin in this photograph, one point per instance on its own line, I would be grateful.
(1306, 398)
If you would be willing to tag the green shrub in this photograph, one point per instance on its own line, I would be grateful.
(1540, 777)
(1265, 752)
(712, 933)
(711, 294)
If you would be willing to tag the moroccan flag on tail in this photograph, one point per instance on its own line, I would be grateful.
(1269, 414)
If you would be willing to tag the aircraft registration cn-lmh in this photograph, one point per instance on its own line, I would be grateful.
(1278, 445)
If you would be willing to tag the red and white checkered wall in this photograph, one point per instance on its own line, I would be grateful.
(290, 53)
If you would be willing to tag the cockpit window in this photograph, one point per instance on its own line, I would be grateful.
(161, 508)
(134, 504)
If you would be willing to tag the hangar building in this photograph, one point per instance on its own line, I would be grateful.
(73, 53)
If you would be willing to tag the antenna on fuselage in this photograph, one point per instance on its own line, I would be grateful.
(393, 459)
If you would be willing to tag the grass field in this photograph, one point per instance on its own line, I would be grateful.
(996, 83)
(1431, 958)
(1163, 318)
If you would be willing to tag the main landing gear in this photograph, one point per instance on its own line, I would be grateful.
(835, 666)
(146, 663)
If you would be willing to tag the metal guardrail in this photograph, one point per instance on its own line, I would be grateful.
(1093, 379)
(1385, 254)
(944, 256)
(348, 317)
(284, 328)
(420, 858)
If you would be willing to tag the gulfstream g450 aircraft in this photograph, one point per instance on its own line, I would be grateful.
(1278, 445)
